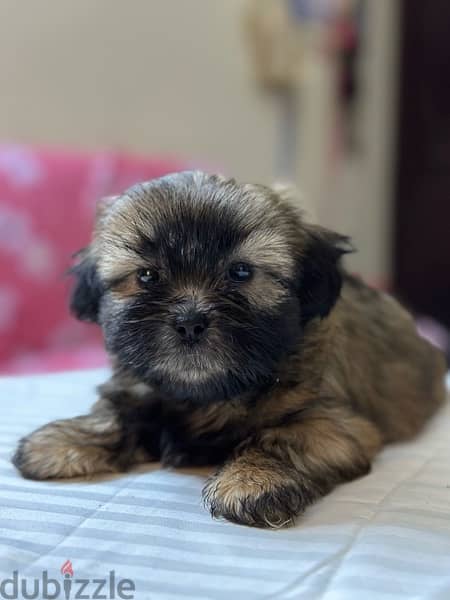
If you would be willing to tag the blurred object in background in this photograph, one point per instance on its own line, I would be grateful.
(347, 38)
(281, 35)
(275, 44)
(435, 333)
(278, 33)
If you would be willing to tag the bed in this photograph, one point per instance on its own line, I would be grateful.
(385, 536)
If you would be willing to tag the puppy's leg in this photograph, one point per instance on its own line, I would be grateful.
(285, 469)
(106, 441)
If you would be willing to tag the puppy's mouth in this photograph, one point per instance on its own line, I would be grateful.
(190, 368)
(191, 361)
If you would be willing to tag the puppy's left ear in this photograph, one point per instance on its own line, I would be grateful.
(320, 278)
(88, 289)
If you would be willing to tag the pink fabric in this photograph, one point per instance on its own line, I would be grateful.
(47, 200)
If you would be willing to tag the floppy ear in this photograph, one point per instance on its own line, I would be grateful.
(88, 289)
(320, 275)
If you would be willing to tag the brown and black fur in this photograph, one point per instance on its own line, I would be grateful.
(303, 373)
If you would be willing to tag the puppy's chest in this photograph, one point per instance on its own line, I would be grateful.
(203, 436)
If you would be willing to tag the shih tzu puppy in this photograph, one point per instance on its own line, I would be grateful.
(237, 339)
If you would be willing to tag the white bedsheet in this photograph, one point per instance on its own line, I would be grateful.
(384, 536)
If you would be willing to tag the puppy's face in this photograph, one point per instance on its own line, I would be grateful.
(202, 286)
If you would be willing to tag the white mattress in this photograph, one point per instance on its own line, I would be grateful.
(384, 536)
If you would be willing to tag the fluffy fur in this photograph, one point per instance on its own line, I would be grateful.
(302, 374)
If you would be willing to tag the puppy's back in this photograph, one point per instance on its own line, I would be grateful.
(388, 372)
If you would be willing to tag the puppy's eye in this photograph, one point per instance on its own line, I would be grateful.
(146, 277)
(240, 272)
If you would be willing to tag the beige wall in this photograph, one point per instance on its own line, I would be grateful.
(173, 77)
(165, 76)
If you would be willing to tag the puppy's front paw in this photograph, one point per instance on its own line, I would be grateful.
(67, 448)
(38, 456)
(258, 496)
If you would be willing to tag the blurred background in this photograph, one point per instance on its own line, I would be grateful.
(349, 100)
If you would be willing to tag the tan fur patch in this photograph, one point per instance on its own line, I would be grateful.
(126, 287)
(268, 249)
(263, 292)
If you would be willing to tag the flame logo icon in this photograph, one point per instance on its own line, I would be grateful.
(67, 568)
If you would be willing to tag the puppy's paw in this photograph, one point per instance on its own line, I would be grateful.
(259, 497)
(64, 449)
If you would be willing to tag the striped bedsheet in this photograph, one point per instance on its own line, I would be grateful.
(384, 536)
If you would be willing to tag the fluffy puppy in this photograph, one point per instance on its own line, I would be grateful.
(236, 339)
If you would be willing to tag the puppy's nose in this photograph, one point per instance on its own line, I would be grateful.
(191, 327)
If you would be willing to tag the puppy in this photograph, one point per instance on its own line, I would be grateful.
(236, 339)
